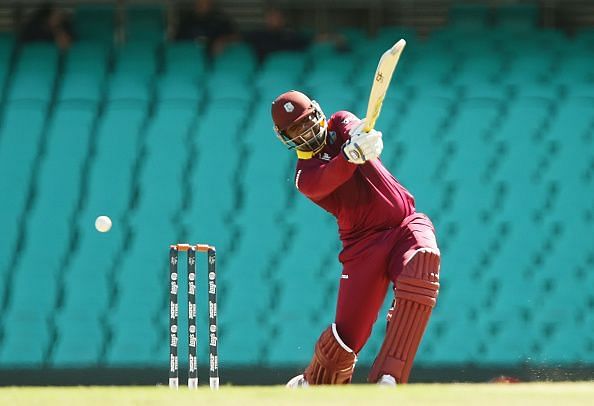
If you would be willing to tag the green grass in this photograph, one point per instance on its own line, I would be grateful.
(436, 394)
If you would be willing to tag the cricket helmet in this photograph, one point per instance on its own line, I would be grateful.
(299, 122)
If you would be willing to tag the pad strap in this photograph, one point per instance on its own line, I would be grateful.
(333, 361)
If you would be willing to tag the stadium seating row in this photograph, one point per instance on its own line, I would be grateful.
(494, 142)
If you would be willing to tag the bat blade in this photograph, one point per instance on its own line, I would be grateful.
(381, 82)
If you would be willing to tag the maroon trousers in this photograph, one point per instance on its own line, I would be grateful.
(369, 266)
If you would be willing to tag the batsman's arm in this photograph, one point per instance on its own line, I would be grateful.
(318, 179)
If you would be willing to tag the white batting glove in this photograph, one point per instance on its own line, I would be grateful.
(362, 146)
(359, 129)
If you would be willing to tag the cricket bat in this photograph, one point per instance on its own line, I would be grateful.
(381, 82)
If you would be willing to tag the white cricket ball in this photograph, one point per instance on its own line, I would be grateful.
(103, 224)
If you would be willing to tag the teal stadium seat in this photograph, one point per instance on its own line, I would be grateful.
(48, 222)
(33, 293)
(280, 68)
(574, 68)
(213, 175)
(84, 73)
(166, 150)
(529, 65)
(468, 132)
(568, 136)
(69, 130)
(584, 37)
(560, 334)
(325, 71)
(479, 68)
(334, 97)
(502, 343)
(227, 61)
(143, 272)
(161, 184)
(560, 347)
(270, 165)
(21, 130)
(178, 88)
(480, 90)
(6, 51)
(289, 348)
(79, 342)
(117, 142)
(452, 350)
(87, 289)
(91, 264)
(513, 43)
(87, 57)
(524, 120)
(25, 343)
(227, 86)
(127, 350)
(185, 65)
(393, 110)
(244, 349)
(85, 263)
(468, 17)
(296, 273)
(95, 22)
(29, 82)
(251, 262)
(434, 67)
(517, 18)
(424, 123)
(126, 87)
(587, 322)
(81, 87)
(136, 60)
(492, 135)
(185, 60)
(145, 23)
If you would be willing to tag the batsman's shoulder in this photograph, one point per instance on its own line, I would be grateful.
(343, 117)
(341, 122)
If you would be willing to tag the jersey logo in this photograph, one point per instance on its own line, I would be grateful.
(346, 121)
(325, 157)
(289, 107)
(331, 137)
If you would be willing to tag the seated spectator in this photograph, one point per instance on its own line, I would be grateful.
(207, 24)
(276, 35)
(48, 23)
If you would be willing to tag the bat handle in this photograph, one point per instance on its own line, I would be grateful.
(368, 126)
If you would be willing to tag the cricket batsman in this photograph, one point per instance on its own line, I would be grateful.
(383, 240)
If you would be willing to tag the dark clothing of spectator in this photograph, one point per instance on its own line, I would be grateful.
(267, 41)
(276, 35)
(212, 27)
(48, 24)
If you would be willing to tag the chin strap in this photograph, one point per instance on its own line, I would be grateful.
(309, 154)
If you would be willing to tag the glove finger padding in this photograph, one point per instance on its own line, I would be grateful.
(358, 130)
(362, 147)
(371, 144)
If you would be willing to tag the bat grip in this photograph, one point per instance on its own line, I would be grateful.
(368, 127)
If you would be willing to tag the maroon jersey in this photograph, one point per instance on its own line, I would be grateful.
(363, 198)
